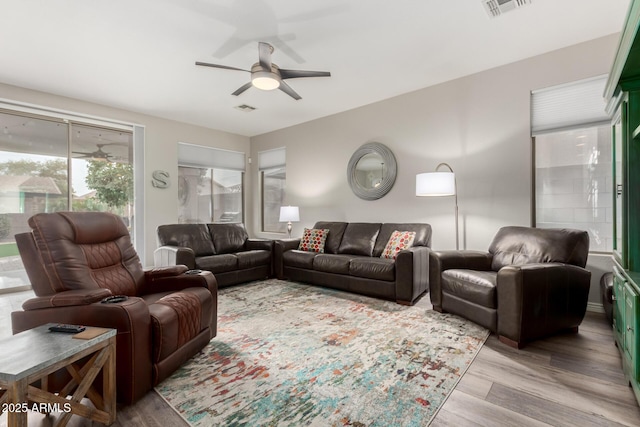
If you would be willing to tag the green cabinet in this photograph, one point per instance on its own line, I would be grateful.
(622, 94)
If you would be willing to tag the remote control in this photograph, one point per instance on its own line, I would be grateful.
(69, 329)
(193, 272)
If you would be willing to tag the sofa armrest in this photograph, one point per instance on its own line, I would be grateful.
(279, 248)
(174, 255)
(258, 244)
(440, 261)
(535, 300)
(67, 299)
(412, 274)
(131, 318)
(155, 283)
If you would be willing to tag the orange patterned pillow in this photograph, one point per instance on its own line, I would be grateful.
(398, 241)
(313, 240)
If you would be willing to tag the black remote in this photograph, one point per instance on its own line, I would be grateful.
(69, 329)
(193, 272)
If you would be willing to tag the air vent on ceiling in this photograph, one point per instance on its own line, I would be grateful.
(244, 107)
(496, 8)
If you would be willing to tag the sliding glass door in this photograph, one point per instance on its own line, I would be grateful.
(49, 164)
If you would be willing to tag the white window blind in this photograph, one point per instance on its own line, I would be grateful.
(567, 106)
(207, 157)
(270, 159)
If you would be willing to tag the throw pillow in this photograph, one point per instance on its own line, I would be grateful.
(313, 239)
(398, 241)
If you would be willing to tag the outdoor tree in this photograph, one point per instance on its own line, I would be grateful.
(113, 182)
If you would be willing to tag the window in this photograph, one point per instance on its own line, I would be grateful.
(572, 157)
(53, 163)
(210, 185)
(273, 179)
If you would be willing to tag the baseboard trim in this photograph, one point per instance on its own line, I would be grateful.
(595, 307)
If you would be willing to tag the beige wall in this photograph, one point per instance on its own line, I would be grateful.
(479, 124)
(160, 151)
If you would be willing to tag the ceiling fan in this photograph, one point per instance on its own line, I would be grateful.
(266, 75)
(99, 154)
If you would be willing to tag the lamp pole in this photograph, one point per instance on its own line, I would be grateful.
(455, 184)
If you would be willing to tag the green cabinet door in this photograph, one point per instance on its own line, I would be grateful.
(618, 307)
(632, 318)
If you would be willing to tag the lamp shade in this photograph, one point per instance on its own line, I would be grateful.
(436, 184)
(289, 214)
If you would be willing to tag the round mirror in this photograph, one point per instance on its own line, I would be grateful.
(371, 171)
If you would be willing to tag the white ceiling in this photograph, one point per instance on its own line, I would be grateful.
(139, 55)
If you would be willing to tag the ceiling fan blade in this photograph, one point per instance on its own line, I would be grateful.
(264, 54)
(289, 91)
(242, 89)
(294, 74)
(224, 67)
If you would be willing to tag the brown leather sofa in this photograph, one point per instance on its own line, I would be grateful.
(351, 261)
(75, 259)
(224, 249)
(531, 283)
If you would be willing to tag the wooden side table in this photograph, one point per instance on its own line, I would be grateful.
(34, 354)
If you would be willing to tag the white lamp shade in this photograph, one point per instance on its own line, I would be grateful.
(436, 184)
(289, 213)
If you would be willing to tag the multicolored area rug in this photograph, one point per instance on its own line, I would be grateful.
(288, 354)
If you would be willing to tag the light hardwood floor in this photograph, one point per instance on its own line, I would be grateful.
(566, 380)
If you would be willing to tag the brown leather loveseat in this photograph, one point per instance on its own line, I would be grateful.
(76, 259)
(224, 249)
(529, 284)
(351, 260)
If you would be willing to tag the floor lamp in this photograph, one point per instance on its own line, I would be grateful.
(289, 214)
(438, 183)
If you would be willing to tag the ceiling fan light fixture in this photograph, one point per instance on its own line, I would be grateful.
(265, 80)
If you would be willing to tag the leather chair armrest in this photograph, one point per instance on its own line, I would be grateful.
(258, 244)
(168, 271)
(412, 274)
(158, 283)
(133, 343)
(174, 255)
(535, 300)
(66, 299)
(279, 248)
(440, 261)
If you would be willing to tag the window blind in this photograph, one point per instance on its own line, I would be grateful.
(207, 157)
(569, 105)
(270, 159)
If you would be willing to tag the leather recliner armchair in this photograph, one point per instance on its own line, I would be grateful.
(530, 284)
(75, 259)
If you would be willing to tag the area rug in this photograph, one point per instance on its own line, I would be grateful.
(289, 354)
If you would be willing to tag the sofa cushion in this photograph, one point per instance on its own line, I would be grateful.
(194, 236)
(228, 238)
(478, 287)
(298, 259)
(526, 245)
(313, 240)
(332, 263)
(218, 263)
(250, 259)
(423, 235)
(359, 238)
(399, 241)
(373, 268)
(336, 230)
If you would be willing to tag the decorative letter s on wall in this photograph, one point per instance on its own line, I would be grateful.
(160, 179)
